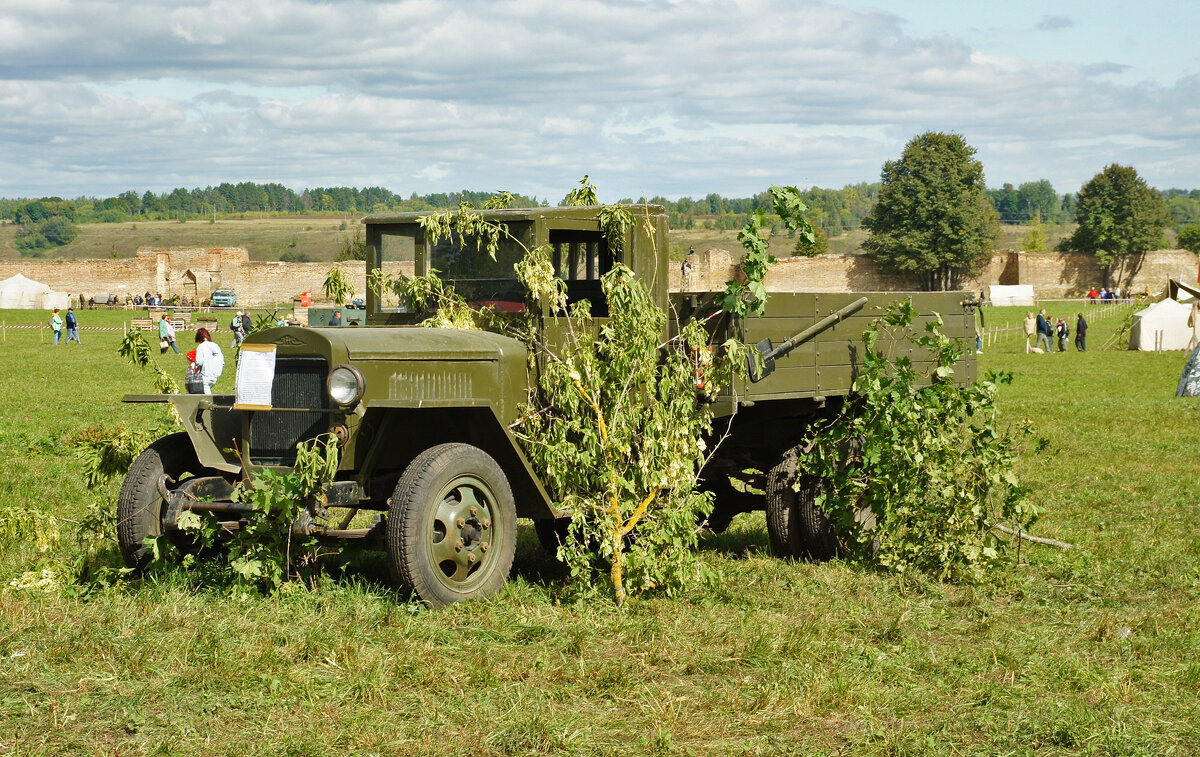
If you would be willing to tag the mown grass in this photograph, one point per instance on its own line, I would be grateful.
(1089, 651)
(263, 238)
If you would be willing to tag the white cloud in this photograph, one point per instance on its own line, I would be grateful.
(648, 97)
(1054, 23)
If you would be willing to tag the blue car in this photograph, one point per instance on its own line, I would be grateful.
(224, 298)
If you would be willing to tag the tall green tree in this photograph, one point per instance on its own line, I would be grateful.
(1038, 198)
(1119, 217)
(1189, 238)
(1006, 201)
(933, 217)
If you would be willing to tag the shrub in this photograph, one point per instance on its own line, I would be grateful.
(1189, 238)
(929, 461)
(55, 231)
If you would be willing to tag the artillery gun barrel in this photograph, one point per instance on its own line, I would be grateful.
(797, 339)
(794, 341)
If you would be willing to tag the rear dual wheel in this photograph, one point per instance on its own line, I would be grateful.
(797, 527)
(452, 526)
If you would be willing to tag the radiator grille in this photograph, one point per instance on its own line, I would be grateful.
(299, 383)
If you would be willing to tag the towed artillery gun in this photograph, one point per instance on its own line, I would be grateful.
(423, 416)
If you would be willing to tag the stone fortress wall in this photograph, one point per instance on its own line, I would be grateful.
(191, 272)
(196, 272)
(1052, 274)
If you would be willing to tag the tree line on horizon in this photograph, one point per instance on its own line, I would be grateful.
(833, 210)
(51, 221)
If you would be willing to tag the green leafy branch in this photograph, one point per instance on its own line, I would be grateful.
(617, 431)
(582, 196)
(267, 550)
(337, 287)
(917, 471)
(747, 295)
(136, 350)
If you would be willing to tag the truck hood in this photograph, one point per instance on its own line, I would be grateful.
(393, 342)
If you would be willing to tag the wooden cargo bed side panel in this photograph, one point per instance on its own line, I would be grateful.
(826, 365)
(850, 329)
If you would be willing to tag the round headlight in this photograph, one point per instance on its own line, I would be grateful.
(346, 385)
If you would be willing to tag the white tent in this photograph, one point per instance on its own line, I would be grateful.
(1011, 294)
(25, 293)
(1163, 325)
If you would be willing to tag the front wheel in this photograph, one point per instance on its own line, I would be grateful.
(140, 505)
(452, 526)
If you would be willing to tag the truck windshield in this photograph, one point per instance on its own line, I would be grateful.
(482, 281)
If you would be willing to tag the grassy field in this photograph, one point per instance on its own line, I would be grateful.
(263, 238)
(1088, 651)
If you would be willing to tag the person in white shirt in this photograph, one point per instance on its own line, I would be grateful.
(209, 359)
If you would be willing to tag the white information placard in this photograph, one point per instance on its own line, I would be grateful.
(255, 374)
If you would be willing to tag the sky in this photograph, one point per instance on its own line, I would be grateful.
(648, 97)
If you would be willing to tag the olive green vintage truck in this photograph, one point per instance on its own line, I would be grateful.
(424, 416)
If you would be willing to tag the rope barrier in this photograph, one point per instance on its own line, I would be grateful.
(191, 327)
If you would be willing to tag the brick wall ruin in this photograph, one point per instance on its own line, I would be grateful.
(196, 272)
(192, 272)
(1052, 274)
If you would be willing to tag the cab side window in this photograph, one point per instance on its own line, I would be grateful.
(580, 258)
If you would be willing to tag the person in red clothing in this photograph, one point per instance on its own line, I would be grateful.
(1092, 295)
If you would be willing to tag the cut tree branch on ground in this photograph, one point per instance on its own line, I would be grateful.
(1035, 539)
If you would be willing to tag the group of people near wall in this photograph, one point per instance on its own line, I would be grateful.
(1115, 295)
(137, 300)
(1039, 327)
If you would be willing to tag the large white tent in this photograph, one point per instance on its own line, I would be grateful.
(1163, 325)
(1011, 294)
(21, 292)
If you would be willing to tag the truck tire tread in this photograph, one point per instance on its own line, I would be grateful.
(407, 515)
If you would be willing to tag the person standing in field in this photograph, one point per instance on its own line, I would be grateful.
(1062, 332)
(1043, 332)
(166, 335)
(56, 324)
(1080, 333)
(1030, 329)
(238, 332)
(73, 327)
(209, 359)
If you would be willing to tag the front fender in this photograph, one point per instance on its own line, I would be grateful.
(210, 422)
(401, 430)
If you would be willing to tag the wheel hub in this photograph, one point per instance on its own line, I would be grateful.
(461, 533)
